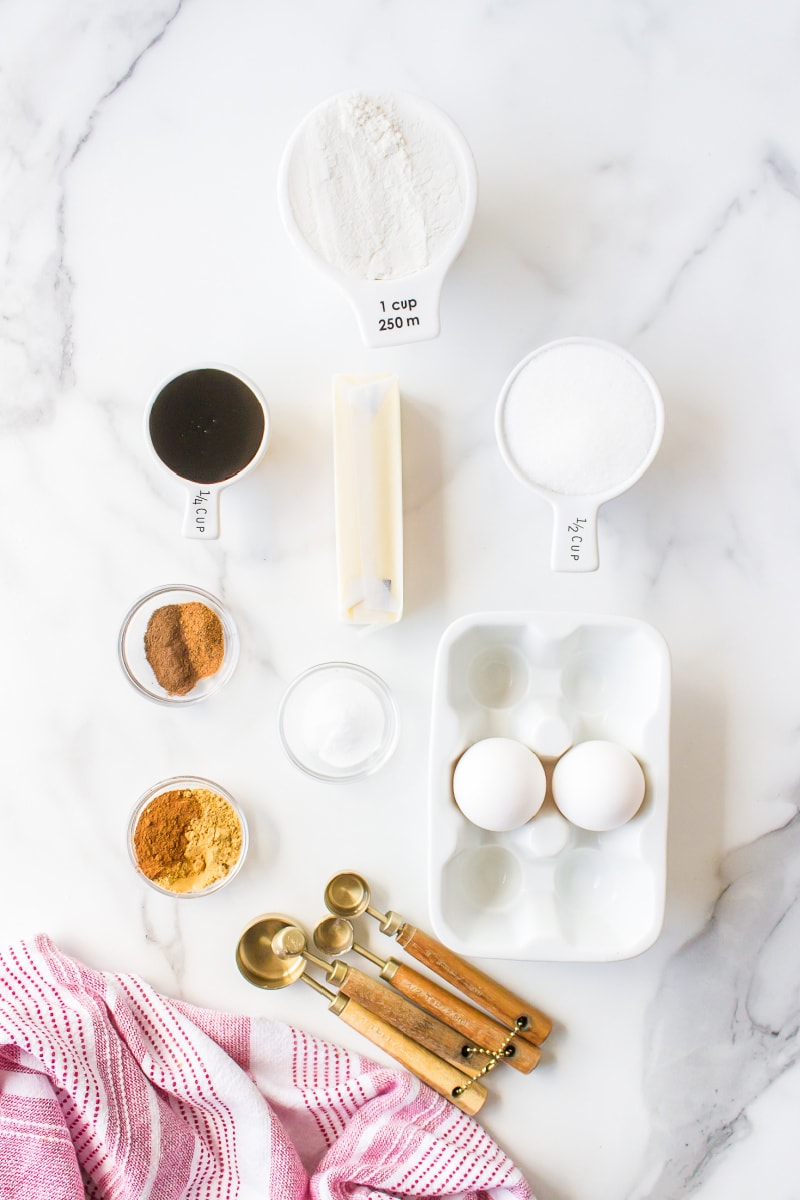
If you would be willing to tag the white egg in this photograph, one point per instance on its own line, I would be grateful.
(598, 785)
(499, 784)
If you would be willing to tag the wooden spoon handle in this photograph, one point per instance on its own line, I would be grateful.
(473, 1025)
(476, 984)
(422, 1026)
(457, 1087)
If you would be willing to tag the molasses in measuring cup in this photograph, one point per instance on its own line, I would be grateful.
(208, 426)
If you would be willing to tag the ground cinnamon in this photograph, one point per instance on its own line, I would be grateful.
(183, 643)
(187, 839)
(160, 836)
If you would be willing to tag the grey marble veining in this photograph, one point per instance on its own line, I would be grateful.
(723, 1024)
(51, 102)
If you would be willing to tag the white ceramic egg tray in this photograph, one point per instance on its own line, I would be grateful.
(549, 890)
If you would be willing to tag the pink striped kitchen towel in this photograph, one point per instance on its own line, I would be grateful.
(108, 1089)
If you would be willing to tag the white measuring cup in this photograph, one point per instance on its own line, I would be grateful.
(207, 426)
(403, 308)
(579, 420)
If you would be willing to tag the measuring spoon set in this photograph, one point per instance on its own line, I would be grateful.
(444, 1040)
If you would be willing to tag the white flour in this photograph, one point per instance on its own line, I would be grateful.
(579, 419)
(375, 185)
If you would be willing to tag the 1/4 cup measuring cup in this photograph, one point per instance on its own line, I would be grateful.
(579, 421)
(208, 426)
(378, 190)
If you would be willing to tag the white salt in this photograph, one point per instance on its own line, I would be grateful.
(343, 722)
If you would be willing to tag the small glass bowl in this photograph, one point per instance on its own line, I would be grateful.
(131, 644)
(318, 722)
(178, 783)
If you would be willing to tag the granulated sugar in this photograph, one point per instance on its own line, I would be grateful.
(579, 419)
(375, 185)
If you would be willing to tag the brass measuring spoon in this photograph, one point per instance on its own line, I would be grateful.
(261, 966)
(348, 895)
(373, 995)
(336, 935)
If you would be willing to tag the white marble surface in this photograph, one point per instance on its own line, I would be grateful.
(638, 171)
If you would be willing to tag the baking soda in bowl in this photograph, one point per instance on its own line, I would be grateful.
(343, 723)
(338, 721)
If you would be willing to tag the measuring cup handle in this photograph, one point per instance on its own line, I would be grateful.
(201, 514)
(397, 312)
(473, 1025)
(439, 1075)
(574, 535)
(476, 984)
(422, 1026)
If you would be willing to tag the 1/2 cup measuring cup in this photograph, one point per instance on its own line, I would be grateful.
(579, 421)
(378, 190)
(208, 426)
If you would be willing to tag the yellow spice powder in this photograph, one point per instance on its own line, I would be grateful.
(213, 843)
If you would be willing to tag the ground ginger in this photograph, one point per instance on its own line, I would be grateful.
(187, 839)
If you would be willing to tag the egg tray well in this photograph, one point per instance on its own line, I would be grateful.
(549, 890)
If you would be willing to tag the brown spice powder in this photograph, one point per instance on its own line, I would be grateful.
(187, 839)
(201, 630)
(183, 643)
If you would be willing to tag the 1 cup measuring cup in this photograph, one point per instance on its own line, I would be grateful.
(378, 190)
(579, 420)
(208, 426)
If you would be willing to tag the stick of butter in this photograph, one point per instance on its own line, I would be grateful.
(368, 485)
